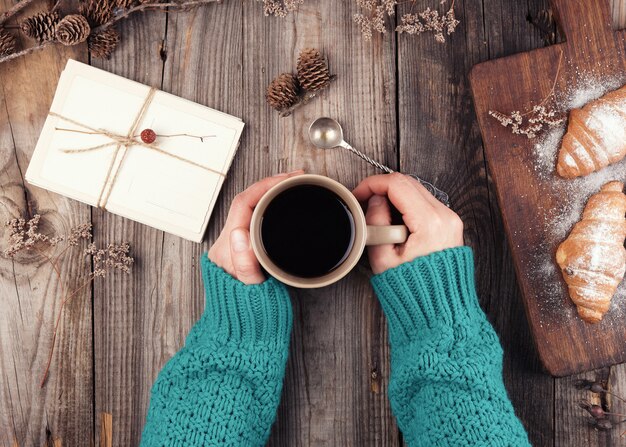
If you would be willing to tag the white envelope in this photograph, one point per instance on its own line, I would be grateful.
(175, 193)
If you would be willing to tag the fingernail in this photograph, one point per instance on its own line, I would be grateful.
(239, 240)
(376, 200)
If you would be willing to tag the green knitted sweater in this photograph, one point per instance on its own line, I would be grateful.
(223, 387)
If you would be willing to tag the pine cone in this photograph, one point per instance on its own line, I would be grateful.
(40, 26)
(97, 12)
(72, 29)
(313, 71)
(7, 42)
(102, 44)
(124, 4)
(283, 91)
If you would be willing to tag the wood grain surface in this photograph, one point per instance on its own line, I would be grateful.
(404, 100)
(531, 200)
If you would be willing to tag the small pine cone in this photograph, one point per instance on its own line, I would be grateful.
(283, 91)
(313, 71)
(72, 29)
(7, 42)
(102, 44)
(97, 12)
(124, 4)
(40, 26)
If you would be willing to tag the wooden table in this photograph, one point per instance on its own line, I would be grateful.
(404, 100)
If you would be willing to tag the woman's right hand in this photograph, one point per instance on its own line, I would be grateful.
(432, 225)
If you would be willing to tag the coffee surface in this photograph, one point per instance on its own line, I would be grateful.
(307, 231)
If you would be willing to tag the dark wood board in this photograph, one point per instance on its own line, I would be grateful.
(532, 199)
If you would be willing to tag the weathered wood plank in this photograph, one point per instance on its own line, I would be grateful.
(129, 309)
(572, 423)
(439, 140)
(339, 335)
(30, 293)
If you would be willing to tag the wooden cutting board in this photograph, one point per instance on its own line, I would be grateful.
(539, 209)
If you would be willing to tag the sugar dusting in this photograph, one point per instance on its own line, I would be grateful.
(569, 198)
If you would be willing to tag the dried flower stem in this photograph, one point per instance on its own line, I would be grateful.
(55, 266)
(615, 395)
(151, 7)
(538, 116)
(552, 90)
(14, 10)
(56, 328)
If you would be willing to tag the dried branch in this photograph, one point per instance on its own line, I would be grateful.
(25, 52)
(152, 7)
(14, 10)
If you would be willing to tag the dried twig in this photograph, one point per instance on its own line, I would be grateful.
(152, 7)
(25, 52)
(14, 10)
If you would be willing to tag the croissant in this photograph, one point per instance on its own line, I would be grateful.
(593, 258)
(596, 136)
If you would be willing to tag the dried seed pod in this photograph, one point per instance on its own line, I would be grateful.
(7, 42)
(102, 44)
(582, 384)
(313, 73)
(40, 26)
(597, 388)
(283, 91)
(72, 29)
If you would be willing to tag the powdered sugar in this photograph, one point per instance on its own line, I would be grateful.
(569, 197)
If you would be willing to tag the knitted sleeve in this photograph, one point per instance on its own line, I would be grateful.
(446, 384)
(223, 387)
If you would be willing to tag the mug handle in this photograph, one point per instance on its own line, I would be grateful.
(386, 234)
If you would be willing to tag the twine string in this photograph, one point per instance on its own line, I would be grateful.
(123, 141)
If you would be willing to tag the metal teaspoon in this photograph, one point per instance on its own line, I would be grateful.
(326, 133)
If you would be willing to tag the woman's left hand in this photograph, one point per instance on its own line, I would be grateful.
(232, 250)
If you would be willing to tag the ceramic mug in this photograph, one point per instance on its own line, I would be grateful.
(363, 234)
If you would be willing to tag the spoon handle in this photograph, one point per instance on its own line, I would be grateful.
(438, 193)
(366, 158)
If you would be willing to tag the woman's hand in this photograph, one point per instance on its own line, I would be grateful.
(432, 225)
(232, 250)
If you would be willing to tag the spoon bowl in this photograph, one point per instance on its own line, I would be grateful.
(326, 133)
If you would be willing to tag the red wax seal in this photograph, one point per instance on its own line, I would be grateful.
(148, 136)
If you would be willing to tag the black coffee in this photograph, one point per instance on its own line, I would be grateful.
(307, 231)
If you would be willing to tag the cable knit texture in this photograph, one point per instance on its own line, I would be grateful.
(224, 386)
(446, 384)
